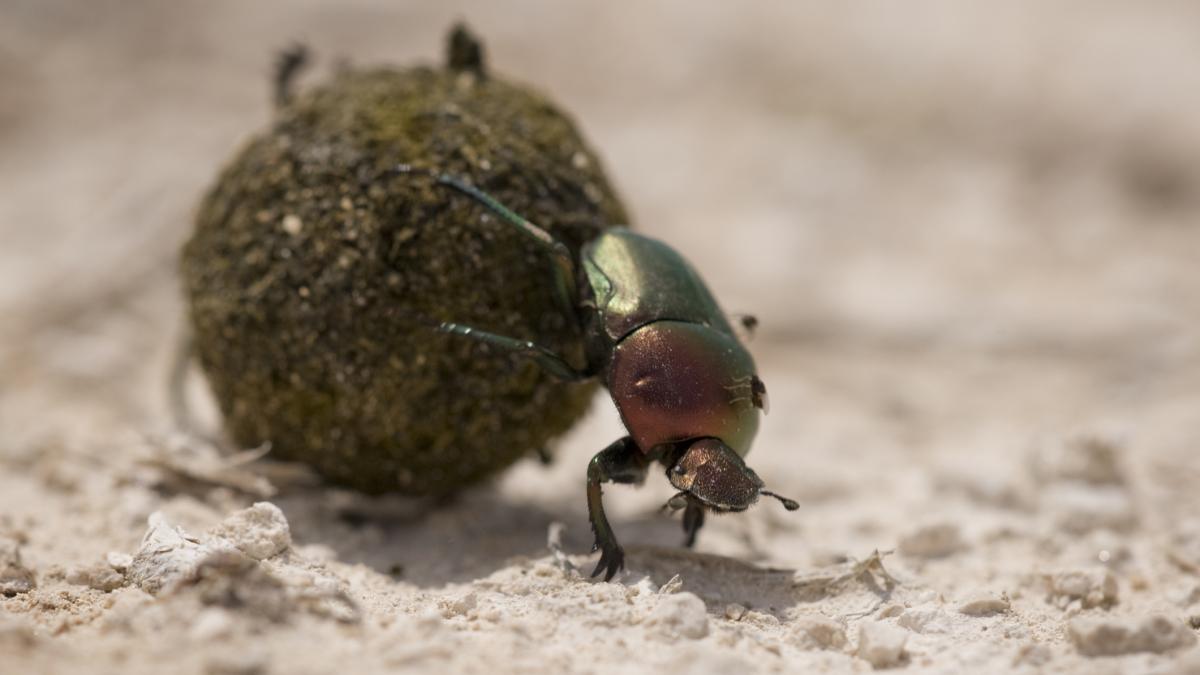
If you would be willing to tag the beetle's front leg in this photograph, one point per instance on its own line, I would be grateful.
(693, 516)
(621, 462)
(693, 520)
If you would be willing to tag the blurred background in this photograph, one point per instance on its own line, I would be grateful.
(1000, 176)
(969, 231)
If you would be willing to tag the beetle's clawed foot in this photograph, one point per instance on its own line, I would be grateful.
(612, 559)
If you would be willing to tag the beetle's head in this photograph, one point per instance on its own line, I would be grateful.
(711, 473)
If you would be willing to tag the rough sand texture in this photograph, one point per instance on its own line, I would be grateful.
(970, 233)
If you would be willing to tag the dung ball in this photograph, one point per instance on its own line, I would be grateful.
(315, 270)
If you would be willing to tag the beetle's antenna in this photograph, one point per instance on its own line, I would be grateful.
(789, 504)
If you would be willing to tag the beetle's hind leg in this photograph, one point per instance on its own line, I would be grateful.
(621, 462)
(564, 266)
(288, 65)
(549, 361)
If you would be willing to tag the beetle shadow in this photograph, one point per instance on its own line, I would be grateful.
(654, 550)
(721, 581)
(432, 544)
(425, 542)
(471, 535)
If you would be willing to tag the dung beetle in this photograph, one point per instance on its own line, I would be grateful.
(685, 387)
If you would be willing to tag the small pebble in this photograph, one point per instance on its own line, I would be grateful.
(211, 624)
(1091, 588)
(99, 576)
(1079, 508)
(118, 561)
(458, 606)
(881, 644)
(924, 620)
(679, 615)
(932, 541)
(1033, 654)
(292, 224)
(1086, 458)
(818, 632)
(260, 531)
(1108, 636)
(168, 556)
(15, 577)
(983, 603)
(890, 610)
(760, 618)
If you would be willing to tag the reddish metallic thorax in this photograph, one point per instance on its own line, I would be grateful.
(673, 381)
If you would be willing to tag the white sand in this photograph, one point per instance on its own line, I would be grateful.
(971, 236)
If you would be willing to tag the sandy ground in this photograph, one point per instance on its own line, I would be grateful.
(970, 232)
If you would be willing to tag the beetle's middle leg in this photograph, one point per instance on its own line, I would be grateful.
(621, 462)
(543, 356)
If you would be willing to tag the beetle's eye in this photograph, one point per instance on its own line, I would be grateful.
(758, 394)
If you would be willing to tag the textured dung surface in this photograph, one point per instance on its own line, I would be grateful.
(312, 268)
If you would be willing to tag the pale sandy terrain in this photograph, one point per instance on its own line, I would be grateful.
(971, 233)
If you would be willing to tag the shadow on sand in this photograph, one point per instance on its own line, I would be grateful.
(481, 531)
